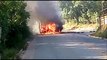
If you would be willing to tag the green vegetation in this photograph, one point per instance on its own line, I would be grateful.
(82, 11)
(84, 14)
(9, 53)
(101, 32)
(72, 25)
(13, 21)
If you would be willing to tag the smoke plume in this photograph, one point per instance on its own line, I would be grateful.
(43, 11)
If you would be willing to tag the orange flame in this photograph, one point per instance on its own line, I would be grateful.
(49, 28)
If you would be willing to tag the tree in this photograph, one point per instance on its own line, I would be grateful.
(72, 9)
(13, 21)
(76, 10)
(84, 9)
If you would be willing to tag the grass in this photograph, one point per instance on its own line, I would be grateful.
(9, 53)
(101, 32)
(16, 44)
(73, 25)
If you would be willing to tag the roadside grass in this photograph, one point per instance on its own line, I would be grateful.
(9, 53)
(72, 25)
(14, 44)
(101, 32)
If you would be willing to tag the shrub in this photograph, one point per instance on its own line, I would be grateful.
(9, 53)
(13, 21)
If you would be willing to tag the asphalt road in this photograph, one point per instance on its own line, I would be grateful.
(66, 46)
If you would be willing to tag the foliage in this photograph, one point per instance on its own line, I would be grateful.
(13, 21)
(87, 11)
(9, 53)
(101, 32)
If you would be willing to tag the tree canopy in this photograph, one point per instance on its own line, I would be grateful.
(13, 21)
(87, 10)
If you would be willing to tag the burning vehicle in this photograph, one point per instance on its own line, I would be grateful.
(47, 15)
(50, 28)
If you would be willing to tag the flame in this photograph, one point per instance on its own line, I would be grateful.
(49, 28)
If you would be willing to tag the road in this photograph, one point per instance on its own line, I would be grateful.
(66, 46)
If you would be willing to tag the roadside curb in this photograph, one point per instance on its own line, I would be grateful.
(97, 37)
(21, 51)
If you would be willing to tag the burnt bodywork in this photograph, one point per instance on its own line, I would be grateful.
(44, 29)
(56, 20)
(59, 27)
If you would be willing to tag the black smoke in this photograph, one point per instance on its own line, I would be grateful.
(47, 11)
(43, 11)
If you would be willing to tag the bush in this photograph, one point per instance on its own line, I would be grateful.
(16, 38)
(9, 53)
(13, 21)
(101, 32)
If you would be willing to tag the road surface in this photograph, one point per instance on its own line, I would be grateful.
(66, 46)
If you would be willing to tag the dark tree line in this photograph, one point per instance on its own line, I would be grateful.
(13, 21)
